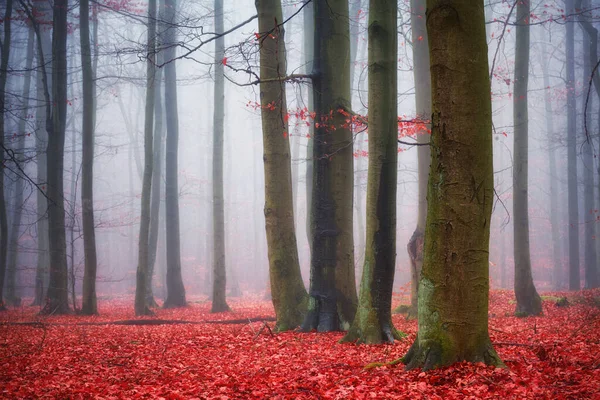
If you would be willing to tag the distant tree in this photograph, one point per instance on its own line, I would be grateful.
(89, 303)
(175, 288)
(4, 54)
(287, 289)
(423, 108)
(12, 296)
(454, 283)
(219, 303)
(333, 300)
(373, 321)
(141, 288)
(528, 300)
(573, 206)
(57, 299)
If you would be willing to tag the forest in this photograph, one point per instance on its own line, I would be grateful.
(303, 199)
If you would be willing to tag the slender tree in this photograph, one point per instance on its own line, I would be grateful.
(332, 303)
(141, 305)
(89, 304)
(175, 288)
(219, 304)
(4, 53)
(454, 283)
(423, 107)
(57, 299)
(12, 297)
(373, 320)
(528, 300)
(287, 289)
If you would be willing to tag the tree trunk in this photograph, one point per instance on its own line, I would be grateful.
(89, 303)
(423, 108)
(44, 52)
(308, 61)
(12, 297)
(141, 288)
(574, 279)
(287, 289)
(528, 300)
(3, 78)
(157, 158)
(57, 298)
(333, 300)
(373, 321)
(219, 303)
(175, 289)
(454, 284)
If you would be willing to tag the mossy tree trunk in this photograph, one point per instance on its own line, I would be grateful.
(423, 108)
(528, 300)
(287, 289)
(175, 288)
(332, 303)
(57, 298)
(141, 287)
(454, 283)
(373, 321)
(573, 202)
(89, 303)
(219, 303)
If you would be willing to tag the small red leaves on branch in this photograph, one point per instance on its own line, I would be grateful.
(224, 61)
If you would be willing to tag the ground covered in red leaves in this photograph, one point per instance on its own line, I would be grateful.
(555, 356)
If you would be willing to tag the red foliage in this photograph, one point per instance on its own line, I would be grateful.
(555, 356)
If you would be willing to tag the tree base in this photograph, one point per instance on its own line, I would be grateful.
(144, 312)
(219, 307)
(151, 302)
(372, 334)
(430, 357)
(530, 308)
(320, 321)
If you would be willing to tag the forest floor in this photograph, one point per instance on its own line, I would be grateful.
(555, 356)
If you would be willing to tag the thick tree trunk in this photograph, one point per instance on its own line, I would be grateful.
(12, 295)
(528, 300)
(175, 288)
(373, 321)
(454, 284)
(219, 303)
(574, 279)
(333, 300)
(57, 298)
(89, 304)
(3, 78)
(287, 289)
(308, 61)
(141, 289)
(423, 108)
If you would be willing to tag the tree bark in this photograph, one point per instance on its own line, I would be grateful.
(141, 289)
(423, 108)
(287, 289)
(219, 303)
(175, 288)
(308, 61)
(373, 321)
(454, 283)
(333, 301)
(528, 300)
(89, 302)
(57, 298)
(12, 296)
(573, 205)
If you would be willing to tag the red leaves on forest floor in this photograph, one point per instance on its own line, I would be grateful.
(555, 356)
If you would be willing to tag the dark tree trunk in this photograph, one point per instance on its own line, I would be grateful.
(175, 288)
(57, 298)
(89, 304)
(333, 300)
